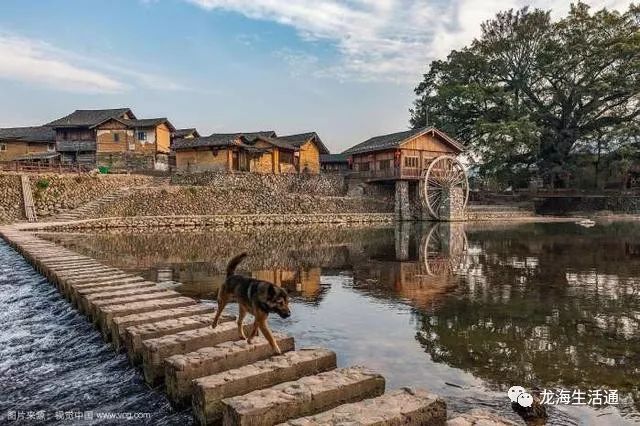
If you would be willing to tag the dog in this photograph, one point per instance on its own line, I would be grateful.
(259, 298)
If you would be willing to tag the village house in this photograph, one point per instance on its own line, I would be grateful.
(334, 163)
(400, 156)
(259, 152)
(185, 134)
(29, 144)
(113, 138)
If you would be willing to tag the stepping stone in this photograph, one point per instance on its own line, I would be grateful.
(111, 293)
(155, 351)
(120, 324)
(134, 335)
(306, 396)
(403, 407)
(181, 370)
(209, 391)
(480, 416)
(74, 291)
(106, 314)
(97, 305)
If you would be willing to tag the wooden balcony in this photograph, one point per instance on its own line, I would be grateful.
(394, 173)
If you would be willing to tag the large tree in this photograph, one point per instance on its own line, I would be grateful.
(529, 90)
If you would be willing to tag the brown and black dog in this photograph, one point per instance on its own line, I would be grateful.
(259, 298)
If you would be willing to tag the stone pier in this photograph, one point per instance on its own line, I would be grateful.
(402, 207)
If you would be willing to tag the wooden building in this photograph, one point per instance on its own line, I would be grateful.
(24, 143)
(336, 163)
(400, 156)
(113, 138)
(259, 152)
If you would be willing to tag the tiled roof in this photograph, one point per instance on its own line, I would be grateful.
(149, 122)
(28, 134)
(394, 140)
(219, 139)
(89, 117)
(181, 133)
(302, 138)
(334, 158)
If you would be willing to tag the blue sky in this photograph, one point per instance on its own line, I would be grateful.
(343, 68)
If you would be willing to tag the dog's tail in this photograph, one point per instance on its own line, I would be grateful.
(233, 263)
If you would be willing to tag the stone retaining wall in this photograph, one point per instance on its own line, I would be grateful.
(53, 193)
(146, 222)
(322, 184)
(11, 203)
(225, 200)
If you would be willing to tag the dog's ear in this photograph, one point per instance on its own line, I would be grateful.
(272, 290)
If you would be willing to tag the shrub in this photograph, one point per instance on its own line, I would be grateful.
(42, 184)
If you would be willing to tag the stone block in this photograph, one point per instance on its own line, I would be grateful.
(155, 351)
(404, 407)
(95, 305)
(181, 370)
(303, 397)
(105, 315)
(134, 335)
(209, 391)
(111, 293)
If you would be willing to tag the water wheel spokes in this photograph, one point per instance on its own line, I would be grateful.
(444, 176)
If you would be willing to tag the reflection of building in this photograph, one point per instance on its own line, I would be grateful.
(423, 266)
(304, 283)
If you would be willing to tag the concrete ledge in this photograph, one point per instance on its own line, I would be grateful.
(404, 407)
(96, 305)
(111, 293)
(106, 314)
(209, 391)
(180, 370)
(303, 397)
(120, 324)
(155, 351)
(133, 336)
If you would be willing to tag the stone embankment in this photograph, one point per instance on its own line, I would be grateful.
(56, 193)
(224, 378)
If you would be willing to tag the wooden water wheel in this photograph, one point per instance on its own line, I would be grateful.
(444, 176)
(440, 257)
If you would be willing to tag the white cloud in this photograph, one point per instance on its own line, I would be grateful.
(37, 62)
(386, 39)
(40, 63)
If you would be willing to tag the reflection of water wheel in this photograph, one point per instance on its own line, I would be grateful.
(443, 250)
(445, 175)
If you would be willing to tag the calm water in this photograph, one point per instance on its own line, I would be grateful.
(466, 311)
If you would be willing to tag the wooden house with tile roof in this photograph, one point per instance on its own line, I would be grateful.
(400, 156)
(114, 138)
(259, 152)
(28, 143)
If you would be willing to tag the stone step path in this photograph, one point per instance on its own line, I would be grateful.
(85, 209)
(225, 379)
(27, 199)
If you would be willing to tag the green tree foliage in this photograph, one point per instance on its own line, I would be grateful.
(527, 93)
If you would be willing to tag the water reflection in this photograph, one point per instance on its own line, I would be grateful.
(548, 305)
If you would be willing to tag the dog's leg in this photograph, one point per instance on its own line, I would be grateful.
(254, 331)
(267, 333)
(242, 312)
(222, 302)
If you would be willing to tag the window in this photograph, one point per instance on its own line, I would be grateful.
(116, 137)
(286, 157)
(411, 162)
(363, 167)
(51, 147)
(142, 136)
(3, 146)
(384, 164)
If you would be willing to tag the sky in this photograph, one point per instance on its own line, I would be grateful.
(343, 68)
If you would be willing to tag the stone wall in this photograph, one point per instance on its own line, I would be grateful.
(227, 200)
(11, 204)
(323, 184)
(53, 193)
(567, 205)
